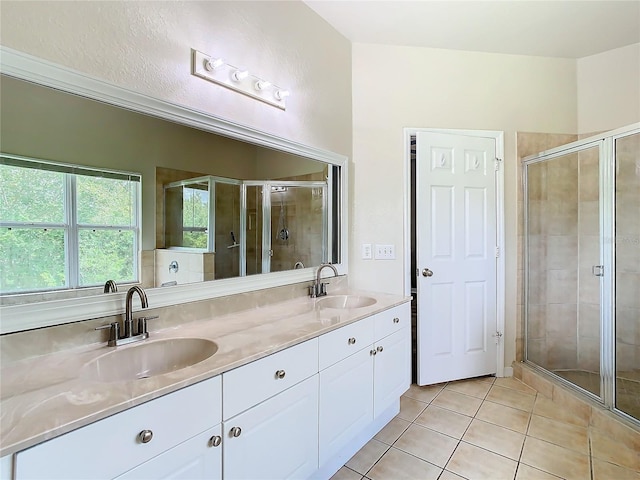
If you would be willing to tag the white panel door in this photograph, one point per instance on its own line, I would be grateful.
(456, 257)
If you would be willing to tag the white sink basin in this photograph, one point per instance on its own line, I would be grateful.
(345, 301)
(149, 359)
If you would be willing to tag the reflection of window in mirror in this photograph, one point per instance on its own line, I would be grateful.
(64, 226)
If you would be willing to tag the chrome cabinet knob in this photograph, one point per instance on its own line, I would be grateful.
(379, 349)
(372, 352)
(145, 436)
(427, 273)
(215, 441)
(351, 341)
(235, 432)
(280, 374)
(396, 320)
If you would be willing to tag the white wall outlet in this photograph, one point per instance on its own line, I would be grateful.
(367, 251)
(385, 252)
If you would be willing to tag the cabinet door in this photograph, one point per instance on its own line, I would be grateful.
(197, 458)
(276, 439)
(392, 369)
(346, 402)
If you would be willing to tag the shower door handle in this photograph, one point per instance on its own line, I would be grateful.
(598, 270)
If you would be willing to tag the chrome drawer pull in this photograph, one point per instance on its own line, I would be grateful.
(235, 432)
(215, 441)
(372, 352)
(145, 436)
(396, 320)
(352, 341)
(379, 349)
(280, 374)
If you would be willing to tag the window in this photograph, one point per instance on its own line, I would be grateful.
(65, 226)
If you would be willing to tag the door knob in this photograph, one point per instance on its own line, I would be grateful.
(427, 273)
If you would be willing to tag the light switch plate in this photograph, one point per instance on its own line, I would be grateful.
(385, 252)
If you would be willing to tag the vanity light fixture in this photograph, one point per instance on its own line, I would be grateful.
(282, 94)
(216, 70)
(240, 75)
(213, 64)
(261, 85)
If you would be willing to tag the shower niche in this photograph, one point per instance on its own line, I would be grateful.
(223, 228)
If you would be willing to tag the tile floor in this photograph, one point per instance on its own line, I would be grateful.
(489, 428)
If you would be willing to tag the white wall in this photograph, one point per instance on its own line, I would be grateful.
(145, 46)
(396, 87)
(609, 90)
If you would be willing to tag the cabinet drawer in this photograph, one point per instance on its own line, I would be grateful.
(339, 344)
(111, 446)
(392, 320)
(251, 384)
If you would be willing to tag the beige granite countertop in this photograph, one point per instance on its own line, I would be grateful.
(47, 396)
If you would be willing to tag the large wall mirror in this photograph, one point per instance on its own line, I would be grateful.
(222, 209)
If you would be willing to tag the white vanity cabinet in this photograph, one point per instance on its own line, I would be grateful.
(270, 410)
(392, 365)
(364, 369)
(113, 446)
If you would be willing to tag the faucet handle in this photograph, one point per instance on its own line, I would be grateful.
(114, 331)
(142, 323)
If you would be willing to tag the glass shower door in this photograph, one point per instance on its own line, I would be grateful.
(563, 266)
(627, 281)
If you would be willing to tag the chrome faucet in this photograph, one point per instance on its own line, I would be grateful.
(110, 287)
(319, 289)
(128, 336)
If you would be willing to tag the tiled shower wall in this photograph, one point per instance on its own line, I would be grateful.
(628, 257)
(564, 236)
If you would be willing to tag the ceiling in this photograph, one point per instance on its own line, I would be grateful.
(558, 28)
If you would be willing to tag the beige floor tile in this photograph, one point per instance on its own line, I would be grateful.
(447, 475)
(613, 451)
(511, 418)
(511, 398)
(457, 402)
(424, 394)
(426, 444)
(392, 430)
(346, 474)
(495, 439)
(545, 407)
(606, 470)
(472, 387)
(410, 408)
(367, 456)
(556, 460)
(399, 465)
(563, 434)
(444, 421)
(525, 472)
(514, 384)
(474, 462)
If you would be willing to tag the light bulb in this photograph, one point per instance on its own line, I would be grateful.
(240, 75)
(282, 94)
(261, 85)
(212, 64)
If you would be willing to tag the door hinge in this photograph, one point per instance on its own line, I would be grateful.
(497, 252)
(497, 336)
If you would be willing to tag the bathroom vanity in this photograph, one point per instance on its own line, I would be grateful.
(282, 397)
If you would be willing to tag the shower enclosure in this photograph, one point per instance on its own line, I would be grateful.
(582, 266)
(251, 226)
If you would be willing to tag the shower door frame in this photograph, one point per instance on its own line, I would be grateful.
(607, 213)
